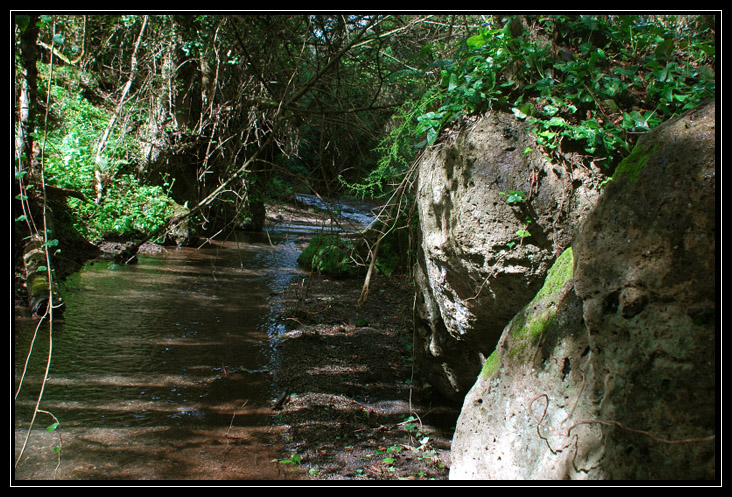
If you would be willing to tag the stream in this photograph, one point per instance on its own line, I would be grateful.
(163, 369)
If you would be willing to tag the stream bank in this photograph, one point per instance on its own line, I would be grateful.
(352, 406)
(355, 409)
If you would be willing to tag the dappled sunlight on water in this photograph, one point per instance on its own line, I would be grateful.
(160, 370)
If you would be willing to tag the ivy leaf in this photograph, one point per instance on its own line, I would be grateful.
(634, 120)
(513, 196)
(519, 113)
(454, 82)
(557, 121)
(547, 134)
(431, 136)
(476, 41)
(550, 110)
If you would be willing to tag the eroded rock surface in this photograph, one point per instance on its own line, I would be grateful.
(475, 268)
(609, 373)
(646, 273)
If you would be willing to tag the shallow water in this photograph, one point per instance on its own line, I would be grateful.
(162, 369)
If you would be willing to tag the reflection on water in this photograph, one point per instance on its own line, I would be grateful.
(163, 369)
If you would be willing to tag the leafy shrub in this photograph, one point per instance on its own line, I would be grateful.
(616, 76)
(330, 255)
(129, 207)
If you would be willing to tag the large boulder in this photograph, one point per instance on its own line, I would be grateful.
(609, 373)
(646, 273)
(494, 215)
(516, 421)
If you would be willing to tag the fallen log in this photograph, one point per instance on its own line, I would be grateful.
(41, 288)
(57, 191)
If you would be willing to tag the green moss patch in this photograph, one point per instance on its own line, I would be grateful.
(491, 365)
(558, 275)
(531, 322)
(633, 164)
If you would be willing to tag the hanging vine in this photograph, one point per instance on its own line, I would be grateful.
(47, 314)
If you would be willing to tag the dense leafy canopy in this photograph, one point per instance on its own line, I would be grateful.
(139, 113)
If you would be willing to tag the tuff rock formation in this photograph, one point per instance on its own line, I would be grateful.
(494, 213)
(609, 372)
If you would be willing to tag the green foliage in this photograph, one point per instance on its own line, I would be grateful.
(514, 196)
(396, 151)
(129, 207)
(329, 254)
(293, 459)
(614, 76)
(618, 75)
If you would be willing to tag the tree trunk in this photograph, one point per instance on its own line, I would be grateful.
(27, 94)
(100, 172)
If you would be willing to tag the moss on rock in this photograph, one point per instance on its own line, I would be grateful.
(530, 323)
(491, 365)
(633, 164)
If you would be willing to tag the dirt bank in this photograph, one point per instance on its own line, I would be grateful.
(354, 407)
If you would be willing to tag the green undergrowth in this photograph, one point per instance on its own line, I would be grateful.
(329, 255)
(341, 256)
(586, 84)
(129, 206)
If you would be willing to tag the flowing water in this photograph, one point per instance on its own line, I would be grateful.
(162, 369)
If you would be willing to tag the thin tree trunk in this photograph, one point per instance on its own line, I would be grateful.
(99, 169)
(390, 217)
(27, 94)
(374, 255)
